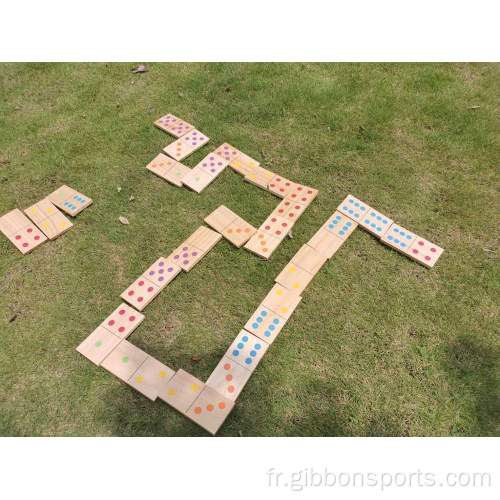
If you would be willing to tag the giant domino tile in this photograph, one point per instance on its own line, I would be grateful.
(209, 403)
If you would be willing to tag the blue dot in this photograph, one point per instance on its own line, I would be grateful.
(389, 238)
(253, 354)
(356, 204)
(403, 244)
(351, 211)
(379, 229)
(378, 217)
(344, 208)
(367, 221)
(334, 222)
(82, 200)
(72, 207)
(351, 201)
(267, 333)
(75, 197)
(384, 221)
(373, 214)
(263, 313)
(248, 361)
(349, 224)
(396, 230)
(259, 320)
(236, 352)
(408, 237)
(396, 241)
(356, 215)
(402, 233)
(363, 208)
(255, 326)
(373, 224)
(66, 203)
(272, 328)
(240, 345)
(330, 226)
(338, 217)
(276, 321)
(257, 346)
(245, 338)
(345, 228)
(341, 233)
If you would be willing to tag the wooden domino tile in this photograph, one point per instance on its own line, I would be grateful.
(210, 410)
(197, 179)
(162, 272)
(353, 208)
(294, 278)
(140, 293)
(290, 210)
(281, 187)
(24, 235)
(151, 378)
(260, 177)
(186, 256)
(375, 222)
(265, 324)
(399, 238)
(309, 259)
(262, 244)
(98, 345)
(70, 201)
(123, 321)
(204, 239)
(212, 164)
(424, 252)
(325, 242)
(247, 350)
(276, 226)
(161, 165)
(220, 218)
(176, 173)
(244, 160)
(241, 168)
(187, 144)
(303, 194)
(340, 225)
(124, 360)
(282, 301)
(181, 391)
(173, 125)
(239, 232)
(227, 153)
(228, 378)
(48, 219)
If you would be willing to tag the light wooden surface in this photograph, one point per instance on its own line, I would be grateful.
(98, 345)
(239, 232)
(13, 222)
(181, 391)
(375, 222)
(276, 226)
(161, 165)
(280, 186)
(424, 252)
(123, 321)
(197, 179)
(176, 173)
(290, 210)
(151, 378)
(309, 259)
(325, 242)
(303, 194)
(210, 410)
(162, 272)
(228, 378)
(220, 218)
(281, 301)
(399, 238)
(124, 360)
(140, 293)
(265, 324)
(186, 256)
(340, 225)
(262, 244)
(69, 200)
(204, 239)
(353, 208)
(294, 278)
(28, 238)
(247, 350)
(173, 125)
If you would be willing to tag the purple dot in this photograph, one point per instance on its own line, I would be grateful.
(151, 273)
(185, 248)
(195, 254)
(181, 123)
(176, 257)
(185, 255)
(161, 263)
(204, 165)
(219, 153)
(186, 262)
(220, 164)
(160, 121)
(187, 139)
(227, 158)
(195, 143)
(174, 120)
(211, 158)
(212, 164)
(225, 147)
(234, 152)
(170, 269)
(161, 271)
(195, 133)
(202, 138)
(212, 170)
(161, 278)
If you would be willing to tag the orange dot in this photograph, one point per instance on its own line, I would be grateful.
(247, 230)
(178, 154)
(229, 378)
(262, 242)
(161, 164)
(179, 144)
(264, 249)
(261, 236)
(169, 163)
(197, 410)
(222, 405)
(153, 165)
(178, 149)
(238, 230)
(230, 389)
(210, 407)
(227, 366)
(229, 231)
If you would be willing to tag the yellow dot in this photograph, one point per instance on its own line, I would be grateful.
(284, 309)
(33, 210)
(45, 224)
(296, 285)
(162, 374)
(252, 164)
(279, 292)
(49, 211)
(139, 379)
(253, 176)
(63, 224)
(194, 387)
(268, 175)
(292, 269)
(171, 392)
(236, 164)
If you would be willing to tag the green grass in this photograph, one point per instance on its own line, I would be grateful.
(379, 345)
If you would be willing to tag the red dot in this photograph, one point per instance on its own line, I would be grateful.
(227, 366)
(230, 389)
(304, 199)
(121, 312)
(210, 407)
(421, 243)
(25, 244)
(37, 238)
(299, 188)
(273, 185)
(278, 232)
(291, 214)
(112, 322)
(150, 289)
(229, 378)
(282, 189)
(415, 251)
(284, 224)
(287, 183)
(433, 249)
(132, 318)
(273, 219)
(427, 257)
(18, 237)
(280, 210)
(278, 179)
(140, 299)
(30, 230)
(297, 207)
(121, 329)
(309, 192)
(287, 203)
(267, 227)
(294, 195)
(140, 283)
(131, 293)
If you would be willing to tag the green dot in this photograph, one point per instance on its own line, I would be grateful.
(125, 359)
(98, 343)
(196, 178)
(178, 174)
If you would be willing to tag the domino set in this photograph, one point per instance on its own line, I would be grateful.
(47, 222)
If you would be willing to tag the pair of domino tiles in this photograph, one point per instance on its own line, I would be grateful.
(186, 145)
(269, 235)
(390, 233)
(173, 125)
(168, 169)
(232, 227)
(48, 219)
(69, 200)
(21, 232)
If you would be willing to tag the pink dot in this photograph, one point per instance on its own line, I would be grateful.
(121, 329)
(131, 293)
(132, 318)
(25, 245)
(421, 243)
(121, 312)
(18, 237)
(278, 179)
(140, 283)
(415, 251)
(433, 249)
(427, 257)
(37, 238)
(309, 192)
(299, 188)
(150, 289)
(30, 230)
(111, 323)
(140, 299)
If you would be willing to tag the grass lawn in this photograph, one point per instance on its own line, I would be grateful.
(379, 346)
